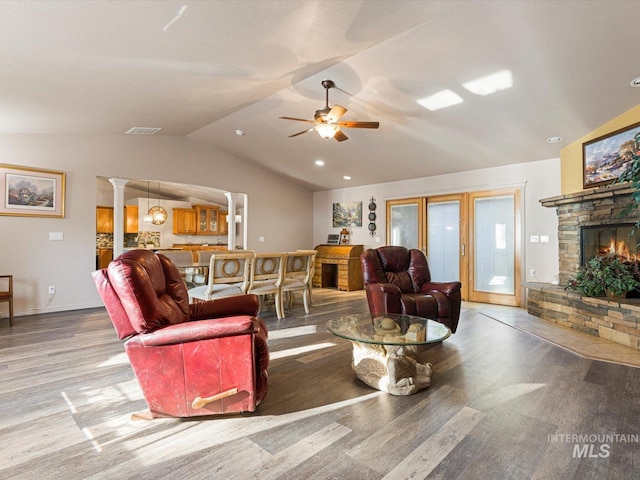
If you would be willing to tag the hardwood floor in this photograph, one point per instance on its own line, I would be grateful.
(502, 404)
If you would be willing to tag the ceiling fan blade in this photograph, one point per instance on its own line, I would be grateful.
(359, 124)
(340, 136)
(298, 119)
(300, 133)
(335, 114)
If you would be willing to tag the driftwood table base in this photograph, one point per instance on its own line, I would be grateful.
(395, 369)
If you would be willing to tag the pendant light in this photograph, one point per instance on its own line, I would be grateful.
(148, 218)
(157, 213)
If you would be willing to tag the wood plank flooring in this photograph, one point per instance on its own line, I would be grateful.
(502, 405)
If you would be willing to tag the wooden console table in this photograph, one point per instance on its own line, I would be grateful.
(338, 266)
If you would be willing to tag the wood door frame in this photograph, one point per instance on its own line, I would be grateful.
(422, 215)
(497, 298)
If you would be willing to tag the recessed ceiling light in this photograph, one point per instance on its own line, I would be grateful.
(555, 139)
(491, 83)
(442, 99)
(635, 82)
(319, 163)
(240, 133)
(347, 177)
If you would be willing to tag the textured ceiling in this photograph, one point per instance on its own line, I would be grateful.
(213, 67)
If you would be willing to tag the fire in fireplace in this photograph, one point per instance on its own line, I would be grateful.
(602, 239)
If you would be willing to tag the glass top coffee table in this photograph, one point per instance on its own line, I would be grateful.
(389, 349)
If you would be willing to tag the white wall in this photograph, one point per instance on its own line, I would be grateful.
(279, 210)
(539, 180)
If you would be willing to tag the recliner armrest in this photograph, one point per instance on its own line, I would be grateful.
(384, 297)
(200, 330)
(225, 307)
(445, 287)
(386, 288)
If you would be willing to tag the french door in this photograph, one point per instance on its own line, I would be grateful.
(446, 239)
(472, 237)
(494, 254)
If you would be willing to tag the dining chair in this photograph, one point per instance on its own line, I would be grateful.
(228, 276)
(267, 277)
(298, 275)
(6, 294)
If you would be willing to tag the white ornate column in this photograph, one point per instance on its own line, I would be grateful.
(231, 221)
(118, 214)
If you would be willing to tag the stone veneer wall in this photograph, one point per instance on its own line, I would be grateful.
(611, 319)
(614, 320)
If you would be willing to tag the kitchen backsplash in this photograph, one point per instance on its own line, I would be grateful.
(140, 239)
(147, 238)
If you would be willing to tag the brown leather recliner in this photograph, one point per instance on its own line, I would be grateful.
(189, 359)
(397, 280)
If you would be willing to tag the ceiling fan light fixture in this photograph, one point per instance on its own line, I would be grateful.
(326, 130)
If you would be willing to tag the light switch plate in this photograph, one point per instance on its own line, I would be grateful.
(56, 236)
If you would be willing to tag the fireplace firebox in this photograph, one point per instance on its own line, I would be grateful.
(602, 239)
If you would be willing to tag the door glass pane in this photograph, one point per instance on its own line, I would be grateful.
(443, 241)
(494, 244)
(404, 225)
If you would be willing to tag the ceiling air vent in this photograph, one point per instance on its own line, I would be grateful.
(142, 131)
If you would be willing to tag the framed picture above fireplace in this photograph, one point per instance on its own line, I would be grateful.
(605, 158)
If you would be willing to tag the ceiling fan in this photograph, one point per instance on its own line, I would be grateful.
(326, 121)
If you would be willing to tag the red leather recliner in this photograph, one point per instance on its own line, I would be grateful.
(189, 359)
(397, 280)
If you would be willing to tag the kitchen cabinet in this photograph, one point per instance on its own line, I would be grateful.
(223, 227)
(104, 256)
(130, 219)
(207, 220)
(184, 220)
(104, 219)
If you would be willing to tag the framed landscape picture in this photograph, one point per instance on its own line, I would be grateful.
(605, 158)
(347, 214)
(31, 192)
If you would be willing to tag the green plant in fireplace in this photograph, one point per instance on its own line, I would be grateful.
(605, 275)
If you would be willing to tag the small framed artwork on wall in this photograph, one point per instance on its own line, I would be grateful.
(31, 192)
(347, 214)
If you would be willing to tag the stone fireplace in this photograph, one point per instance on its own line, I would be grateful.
(590, 222)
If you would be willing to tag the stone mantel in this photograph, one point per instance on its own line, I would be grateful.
(608, 191)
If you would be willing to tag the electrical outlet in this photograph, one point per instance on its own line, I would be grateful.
(532, 272)
(52, 290)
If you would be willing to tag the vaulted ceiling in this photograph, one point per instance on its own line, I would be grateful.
(204, 69)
